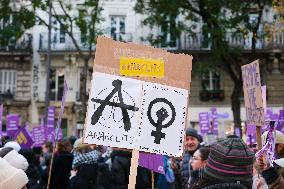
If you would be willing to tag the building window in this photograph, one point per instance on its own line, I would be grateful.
(58, 33)
(168, 33)
(56, 84)
(211, 80)
(8, 81)
(117, 27)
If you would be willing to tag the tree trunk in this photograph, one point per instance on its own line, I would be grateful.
(84, 88)
(236, 105)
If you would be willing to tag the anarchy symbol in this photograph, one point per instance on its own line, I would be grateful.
(162, 114)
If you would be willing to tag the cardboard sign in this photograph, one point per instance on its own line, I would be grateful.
(154, 108)
(252, 93)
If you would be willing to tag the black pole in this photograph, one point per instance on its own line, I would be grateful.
(47, 89)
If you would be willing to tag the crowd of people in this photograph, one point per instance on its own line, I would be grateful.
(226, 164)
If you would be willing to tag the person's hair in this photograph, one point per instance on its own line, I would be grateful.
(204, 152)
(64, 146)
(5, 151)
(49, 146)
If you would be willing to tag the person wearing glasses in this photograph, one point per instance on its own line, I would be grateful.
(197, 163)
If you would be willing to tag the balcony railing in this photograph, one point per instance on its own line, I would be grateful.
(195, 42)
(23, 44)
(63, 42)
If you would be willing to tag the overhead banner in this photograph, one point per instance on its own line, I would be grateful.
(138, 98)
(253, 95)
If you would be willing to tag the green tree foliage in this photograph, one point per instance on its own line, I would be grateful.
(15, 19)
(219, 19)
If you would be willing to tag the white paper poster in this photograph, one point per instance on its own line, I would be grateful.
(163, 115)
(113, 111)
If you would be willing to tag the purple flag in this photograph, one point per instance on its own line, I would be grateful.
(204, 123)
(61, 111)
(12, 122)
(23, 138)
(38, 136)
(1, 112)
(280, 125)
(154, 162)
(251, 134)
(214, 119)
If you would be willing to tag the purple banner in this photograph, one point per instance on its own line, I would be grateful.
(280, 125)
(1, 113)
(61, 111)
(251, 134)
(49, 130)
(154, 162)
(12, 123)
(204, 123)
(38, 136)
(214, 121)
(23, 138)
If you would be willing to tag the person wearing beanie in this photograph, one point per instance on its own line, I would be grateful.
(192, 143)
(16, 160)
(229, 165)
(11, 177)
(14, 145)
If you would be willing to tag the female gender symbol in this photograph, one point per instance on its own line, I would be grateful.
(162, 114)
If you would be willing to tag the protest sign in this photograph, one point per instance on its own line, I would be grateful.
(154, 162)
(251, 134)
(38, 136)
(204, 123)
(146, 110)
(214, 121)
(252, 94)
(49, 129)
(23, 138)
(12, 124)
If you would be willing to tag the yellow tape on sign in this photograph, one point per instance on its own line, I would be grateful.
(142, 67)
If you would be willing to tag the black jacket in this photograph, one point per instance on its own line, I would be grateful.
(85, 177)
(121, 161)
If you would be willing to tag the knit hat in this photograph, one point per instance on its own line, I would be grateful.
(79, 144)
(192, 132)
(14, 145)
(279, 137)
(16, 160)
(11, 177)
(230, 160)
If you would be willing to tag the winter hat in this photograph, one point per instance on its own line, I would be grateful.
(14, 145)
(192, 132)
(79, 144)
(16, 160)
(279, 137)
(230, 160)
(11, 177)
